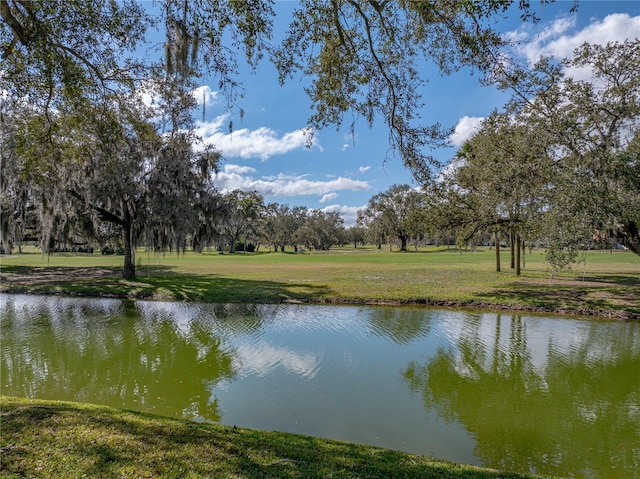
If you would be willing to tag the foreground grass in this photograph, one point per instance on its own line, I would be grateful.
(51, 440)
(607, 285)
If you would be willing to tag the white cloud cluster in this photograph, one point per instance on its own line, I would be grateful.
(467, 126)
(242, 177)
(348, 213)
(364, 169)
(260, 143)
(559, 40)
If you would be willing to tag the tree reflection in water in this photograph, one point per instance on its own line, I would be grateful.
(401, 325)
(575, 408)
(123, 354)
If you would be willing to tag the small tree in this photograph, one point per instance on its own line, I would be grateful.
(321, 230)
(397, 213)
(242, 212)
(355, 234)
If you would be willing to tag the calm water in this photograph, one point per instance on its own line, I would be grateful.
(524, 393)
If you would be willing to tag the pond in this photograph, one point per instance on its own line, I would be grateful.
(511, 391)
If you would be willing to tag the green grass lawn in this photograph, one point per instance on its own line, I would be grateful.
(49, 439)
(608, 284)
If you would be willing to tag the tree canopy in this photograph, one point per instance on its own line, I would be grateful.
(560, 164)
(361, 56)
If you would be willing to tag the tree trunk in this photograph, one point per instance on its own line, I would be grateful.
(129, 268)
(630, 237)
(403, 243)
(524, 255)
(497, 241)
(512, 241)
(518, 253)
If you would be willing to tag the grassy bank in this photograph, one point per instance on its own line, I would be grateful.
(51, 440)
(607, 285)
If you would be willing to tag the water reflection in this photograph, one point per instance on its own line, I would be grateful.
(529, 394)
(402, 325)
(114, 353)
(561, 398)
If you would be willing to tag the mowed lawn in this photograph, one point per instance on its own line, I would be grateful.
(607, 284)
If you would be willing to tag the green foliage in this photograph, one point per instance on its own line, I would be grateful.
(240, 216)
(320, 231)
(399, 213)
(70, 51)
(560, 165)
(590, 129)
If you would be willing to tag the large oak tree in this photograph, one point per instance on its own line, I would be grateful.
(588, 107)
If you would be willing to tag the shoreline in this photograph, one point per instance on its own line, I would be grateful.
(581, 313)
(607, 287)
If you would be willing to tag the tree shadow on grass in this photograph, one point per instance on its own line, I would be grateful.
(435, 251)
(155, 282)
(100, 442)
(608, 295)
(619, 280)
(214, 288)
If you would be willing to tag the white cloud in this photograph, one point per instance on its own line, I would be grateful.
(238, 169)
(449, 170)
(241, 177)
(348, 213)
(328, 197)
(151, 97)
(560, 40)
(364, 169)
(204, 94)
(260, 143)
(465, 129)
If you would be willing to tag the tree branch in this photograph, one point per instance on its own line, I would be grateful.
(19, 32)
(392, 114)
(105, 215)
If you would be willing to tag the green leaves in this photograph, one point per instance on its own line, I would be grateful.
(562, 160)
(61, 51)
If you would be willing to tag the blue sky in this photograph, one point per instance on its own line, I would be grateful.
(267, 149)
